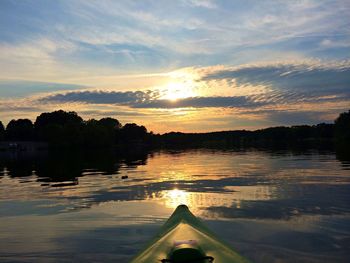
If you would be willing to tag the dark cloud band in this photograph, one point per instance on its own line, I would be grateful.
(288, 84)
(149, 99)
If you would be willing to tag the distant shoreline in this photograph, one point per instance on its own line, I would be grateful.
(67, 130)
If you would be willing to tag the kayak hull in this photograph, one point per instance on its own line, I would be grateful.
(183, 225)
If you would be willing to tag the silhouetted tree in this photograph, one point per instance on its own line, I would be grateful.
(59, 128)
(342, 127)
(21, 130)
(273, 134)
(96, 135)
(59, 118)
(133, 132)
(110, 123)
(101, 133)
(324, 130)
(302, 132)
(2, 131)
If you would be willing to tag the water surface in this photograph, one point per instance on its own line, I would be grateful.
(271, 206)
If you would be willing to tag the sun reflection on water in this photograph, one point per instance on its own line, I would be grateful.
(197, 201)
(176, 197)
(194, 200)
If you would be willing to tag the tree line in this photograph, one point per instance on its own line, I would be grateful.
(68, 129)
(323, 134)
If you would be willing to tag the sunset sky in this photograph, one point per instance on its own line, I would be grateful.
(183, 65)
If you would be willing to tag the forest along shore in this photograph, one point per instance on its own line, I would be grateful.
(67, 130)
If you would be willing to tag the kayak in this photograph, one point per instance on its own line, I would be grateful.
(185, 239)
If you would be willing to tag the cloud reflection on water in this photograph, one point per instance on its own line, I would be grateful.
(250, 198)
(224, 184)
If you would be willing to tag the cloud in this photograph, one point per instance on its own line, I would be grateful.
(254, 95)
(103, 113)
(22, 88)
(102, 97)
(268, 85)
(147, 99)
(327, 43)
(309, 81)
(140, 99)
(298, 117)
(287, 75)
(200, 3)
(201, 102)
(20, 109)
(71, 37)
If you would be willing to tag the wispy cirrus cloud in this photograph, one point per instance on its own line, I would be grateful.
(125, 36)
(198, 3)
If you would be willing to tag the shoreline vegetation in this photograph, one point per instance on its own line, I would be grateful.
(67, 130)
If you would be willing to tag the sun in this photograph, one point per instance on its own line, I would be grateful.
(181, 84)
(177, 90)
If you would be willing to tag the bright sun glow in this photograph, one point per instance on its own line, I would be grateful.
(177, 90)
(182, 84)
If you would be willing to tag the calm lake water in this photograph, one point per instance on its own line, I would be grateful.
(271, 206)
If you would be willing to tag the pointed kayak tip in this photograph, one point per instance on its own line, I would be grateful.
(182, 207)
(181, 210)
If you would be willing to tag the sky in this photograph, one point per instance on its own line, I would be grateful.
(185, 65)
